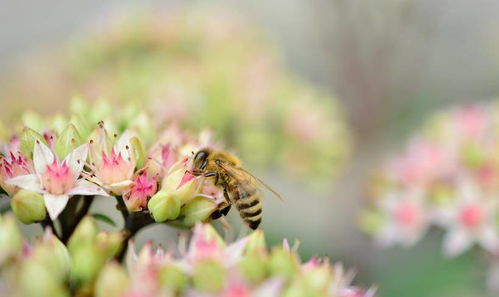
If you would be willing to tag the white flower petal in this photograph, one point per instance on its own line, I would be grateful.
(28, 182)
(84, 187)
(271, 287)
(122, 144)
(76, 160)
(234, 251)
(120, 187)
(55, 204)
(456, 241)
(488, 238)
(42, 157)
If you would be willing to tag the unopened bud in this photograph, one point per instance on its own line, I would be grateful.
(254, 268)
(173, 278)
(28, 138)
(209, 276)
(28, 206)
(256, 243)
(68, 140)
(35, 280)
(109, 243)
(84, 234)
(112, 281)
(197, 210)
(10, 238)
(164, 206)
(283, 263)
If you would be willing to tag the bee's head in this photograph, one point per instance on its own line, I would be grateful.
(201, 160)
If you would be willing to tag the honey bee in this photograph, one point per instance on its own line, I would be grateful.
(240, 187)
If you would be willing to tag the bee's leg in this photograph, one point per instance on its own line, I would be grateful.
(225, 210)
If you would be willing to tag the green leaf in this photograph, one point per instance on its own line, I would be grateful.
(104, 218)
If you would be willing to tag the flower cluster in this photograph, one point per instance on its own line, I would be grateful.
(52, 165)
(448, 177)
(203, 68)
(207, 266)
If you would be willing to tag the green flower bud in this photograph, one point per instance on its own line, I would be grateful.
(318, 279)
(84, 234)
(164, 206)
(109, 243)
(138, 151)
(81, 125)
(35, 280)
(298, 288)
(52, 253)
(209, 276)
(197, 210)
(10, 238)
(112, 281)
(86, 264)
(28, 138)
(28, 206)
(254, 268)
(68, 140)
(173, 278)
(283, 263)
(256, 243)
(171, 182)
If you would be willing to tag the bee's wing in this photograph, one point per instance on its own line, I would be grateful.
(242, 174)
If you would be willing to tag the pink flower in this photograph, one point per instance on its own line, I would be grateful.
(57, 180)
(112, 166)
(11, 166)
(142, 189)
(470, 219)
(422, 163)
(406, 217)
(206, 244)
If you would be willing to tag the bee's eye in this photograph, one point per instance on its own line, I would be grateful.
(200, 160)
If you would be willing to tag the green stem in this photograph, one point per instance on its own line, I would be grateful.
(122, 207)
(47, 222)
(73, 218)
(133, 223)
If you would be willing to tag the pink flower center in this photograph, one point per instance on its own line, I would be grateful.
(143, 187)
(185, 179)
(206, 249)
(471, 216)
(167, 156)
(114, 168)
(57, 179)
(15, 166)
(236, 290)
(407, 213)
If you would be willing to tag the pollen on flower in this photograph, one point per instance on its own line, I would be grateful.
(58, 178)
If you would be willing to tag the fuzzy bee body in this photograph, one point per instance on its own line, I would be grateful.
(239, 186)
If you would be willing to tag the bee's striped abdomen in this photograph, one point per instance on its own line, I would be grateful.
(248, 203)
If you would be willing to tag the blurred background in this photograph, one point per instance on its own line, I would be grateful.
(389, 63)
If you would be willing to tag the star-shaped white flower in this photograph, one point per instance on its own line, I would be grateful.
(56, 180)
(406, 217)
(469, 220)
